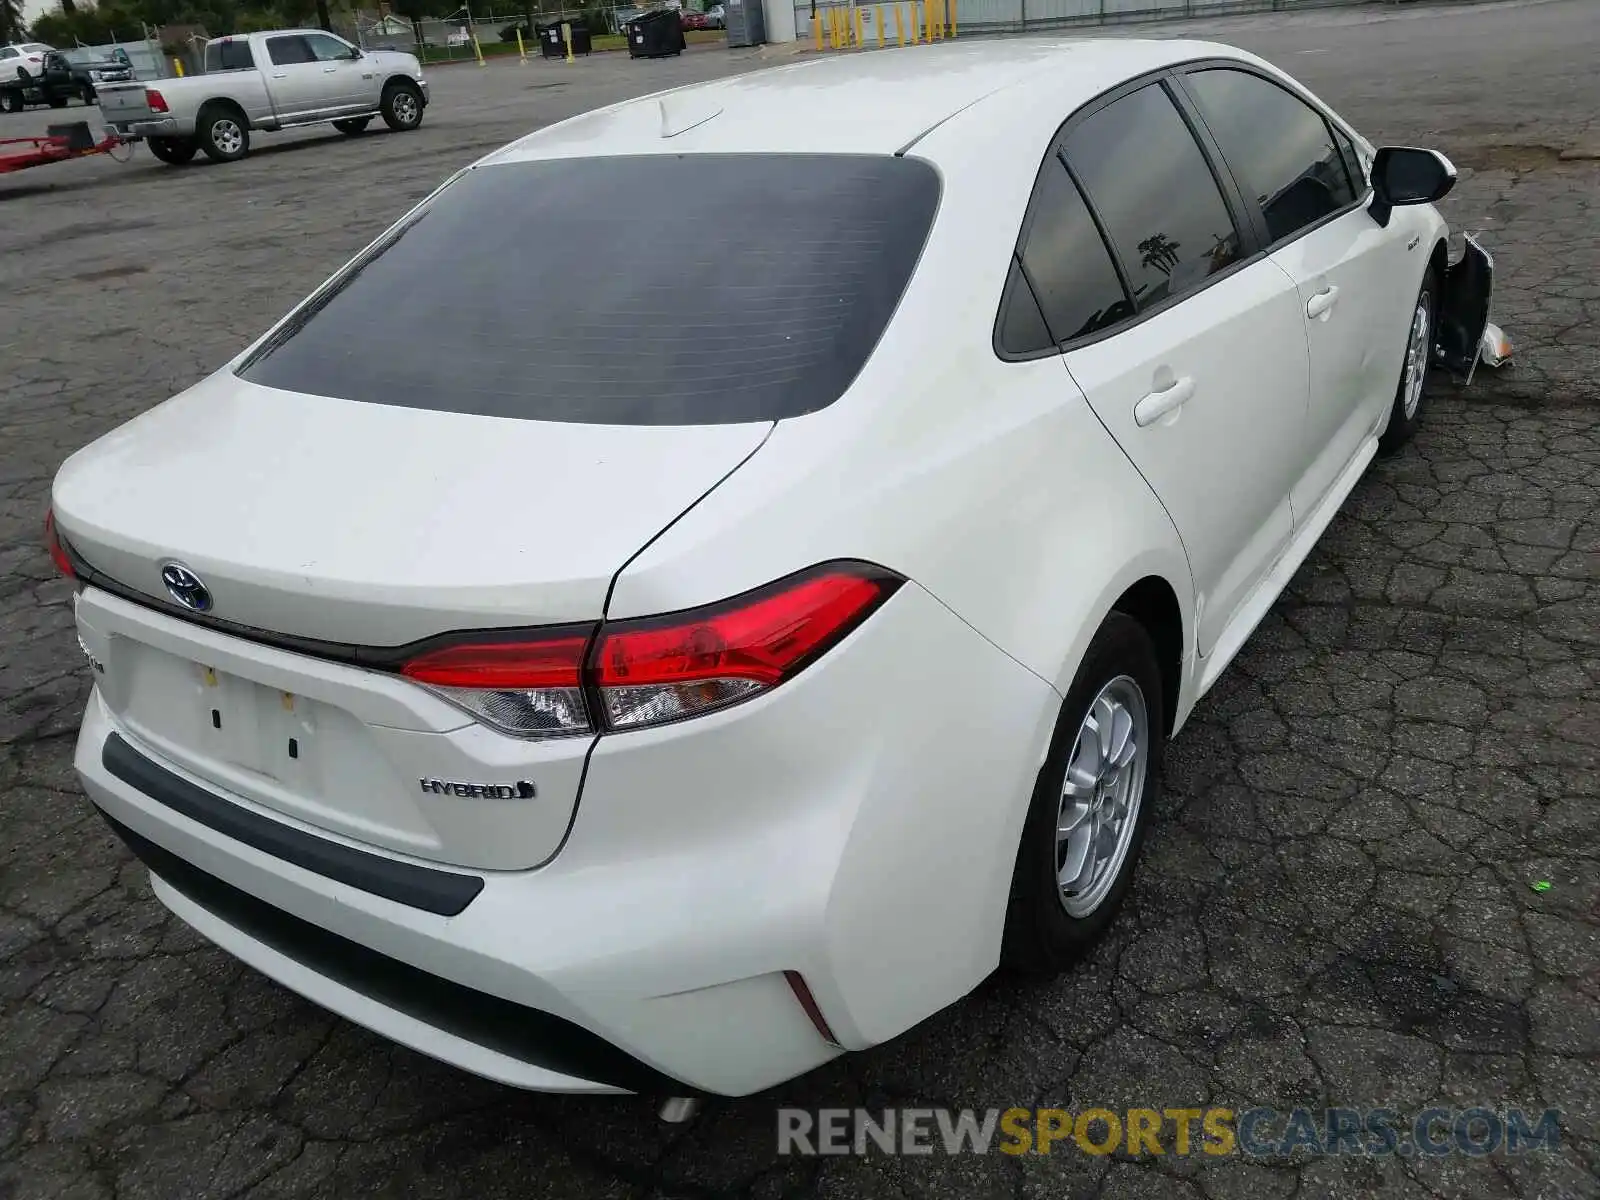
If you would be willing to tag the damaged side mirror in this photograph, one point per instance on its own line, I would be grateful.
(1406, 175)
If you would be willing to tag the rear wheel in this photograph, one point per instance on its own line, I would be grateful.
(13, 101)
(58, 101)
(352, 125)
(1406, 413)
(1091, 805)
(86, 94)
(222, 135)
(401, 106)
(172, 151)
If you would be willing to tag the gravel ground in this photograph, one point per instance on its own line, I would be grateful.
(1334, 907)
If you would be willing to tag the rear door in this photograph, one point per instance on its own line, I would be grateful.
(1203, 381)
(1294, 169)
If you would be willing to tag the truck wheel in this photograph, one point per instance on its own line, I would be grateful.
(353, 125)
(58, 101)
(13, 100)
(86, 94)
(401, 106)
(175, 152)
(222, 135)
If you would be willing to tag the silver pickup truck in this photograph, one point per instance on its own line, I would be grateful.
(266, 81)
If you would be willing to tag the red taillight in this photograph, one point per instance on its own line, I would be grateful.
(555, 662)
(557, 682)
(531, 687)
(665, 668)
(155, 101)
(58, 552)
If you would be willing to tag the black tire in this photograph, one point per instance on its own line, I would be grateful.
(354, 126)
(86, 94)
(401, 106)
(222, 133)
(58, 101)
(1402, 425)
(14, 102)
(1041, 936)
(175, 152)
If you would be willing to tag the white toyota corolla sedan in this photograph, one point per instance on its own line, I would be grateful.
(614, 661)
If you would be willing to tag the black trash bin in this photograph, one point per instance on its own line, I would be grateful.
(655, 34)
(553, 45)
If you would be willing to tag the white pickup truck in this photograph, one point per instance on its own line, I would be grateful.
(265, 81)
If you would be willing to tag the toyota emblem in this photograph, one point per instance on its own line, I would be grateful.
(184, 586)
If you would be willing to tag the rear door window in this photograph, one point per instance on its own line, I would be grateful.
(1151, 185)
(1067, 261)
(576, 290)
(1281, 149)
(232, 54)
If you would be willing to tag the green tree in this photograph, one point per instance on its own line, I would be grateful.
(10, 20)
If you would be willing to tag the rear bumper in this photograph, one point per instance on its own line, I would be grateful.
(161, 127)
(847, 827)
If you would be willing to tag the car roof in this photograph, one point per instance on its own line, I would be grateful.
(863, 103)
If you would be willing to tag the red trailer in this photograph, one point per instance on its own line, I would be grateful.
(59, 143)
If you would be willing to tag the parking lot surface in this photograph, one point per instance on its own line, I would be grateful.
(1335, 906)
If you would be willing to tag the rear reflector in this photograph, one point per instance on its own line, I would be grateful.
(650, 671)
(52, 541)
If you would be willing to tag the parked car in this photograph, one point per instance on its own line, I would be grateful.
(283, 79)
(597, 716)
(89, 70)
(716, 17)
(22, 60)
(693, 20)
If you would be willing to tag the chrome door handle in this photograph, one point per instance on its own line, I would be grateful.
(1158, 404)
(280, 74)
(1322, 303)
(329, 70)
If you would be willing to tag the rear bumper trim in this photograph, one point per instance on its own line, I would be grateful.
(443, 892)
(527, 1035)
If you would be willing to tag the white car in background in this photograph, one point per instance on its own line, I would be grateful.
(22, 60)
(671, 668)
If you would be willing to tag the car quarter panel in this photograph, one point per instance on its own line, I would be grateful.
(990, 483)
(858, 824)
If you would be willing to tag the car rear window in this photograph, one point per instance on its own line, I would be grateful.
(228, 55)
(649, 290)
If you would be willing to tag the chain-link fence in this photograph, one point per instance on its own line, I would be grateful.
(452, 38)
(1014, 16)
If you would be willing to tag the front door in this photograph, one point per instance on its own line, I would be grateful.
(1205, 386)
(1295, 169)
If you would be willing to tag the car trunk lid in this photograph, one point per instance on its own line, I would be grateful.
(313, 521)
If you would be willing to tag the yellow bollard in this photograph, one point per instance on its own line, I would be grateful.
(478, 50)
(816, 31)
(927, 19)
(566, 36)
(860, 41)
(877, 21)
(522, 51)
(177, 65)
(954, 4)
(899, 24)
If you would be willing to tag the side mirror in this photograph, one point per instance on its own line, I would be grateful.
(1405, 175)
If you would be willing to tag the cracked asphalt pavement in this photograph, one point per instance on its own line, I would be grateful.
(1334, 906)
